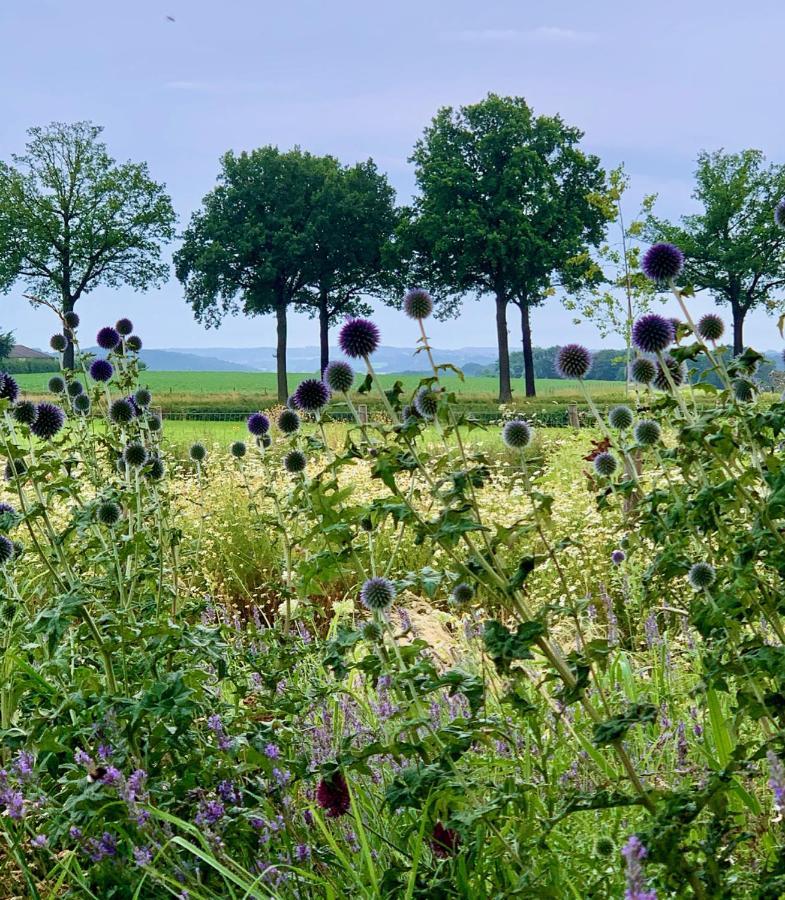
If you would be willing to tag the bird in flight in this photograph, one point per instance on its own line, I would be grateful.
(170, 19)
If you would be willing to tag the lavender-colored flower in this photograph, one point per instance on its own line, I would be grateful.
(135, 786)
(339, 376)
(634, 854)
(24, 763)
(517, 434)
(228, 792)
(124, 327)
(377, 594)
(271, 751)
(302, 853)
(210, 812)
(418, 304)
(777, 781)
(75, 833)
(618, 557)
(143, 856)
(49, 421)
(652, 333)
(82, 759)
(573, 361)
(312, 395)
(9, 388)
(14, 801)
(107, 338)
(112, 776)
(359, 338)
(39, 841)
(662, 262)
(258, 424)
(101, 370)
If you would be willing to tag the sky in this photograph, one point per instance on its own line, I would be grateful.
(649, 86)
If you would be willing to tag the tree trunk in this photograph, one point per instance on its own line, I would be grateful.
(739, 312)
(324, 332)
(505, 389)
(528, 359)
(280, 353)
(68, 353)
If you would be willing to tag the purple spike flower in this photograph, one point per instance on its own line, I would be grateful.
(312, 395)
(107, 338)
(662, 262)
(258, 424)
(653, 333)
(101, 370)
(573, 361)
(359, 338)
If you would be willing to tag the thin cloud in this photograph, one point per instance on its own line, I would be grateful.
(541, 34)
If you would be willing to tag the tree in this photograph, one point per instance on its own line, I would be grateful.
(7, 344)
(71, 219)
(249, 248)
(353, 224)
(733, 248)
(505, 207)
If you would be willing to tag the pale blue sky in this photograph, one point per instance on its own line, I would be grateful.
(650, 84)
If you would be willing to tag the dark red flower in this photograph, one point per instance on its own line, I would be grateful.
(444, 841)
(333, 796)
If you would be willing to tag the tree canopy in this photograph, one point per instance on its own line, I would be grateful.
(71, 219)
(733, 248)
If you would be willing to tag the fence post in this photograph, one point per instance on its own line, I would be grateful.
(362, 412)
(572, 412)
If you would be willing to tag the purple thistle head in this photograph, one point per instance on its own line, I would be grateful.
(573, 361)
(295, 462)
(653, 333)
(418, 304)
(107, 338)
(377, 594)
(58, 342)
(9, 389)
(339, 376)
(134, 343)
(288, 421)
(359, 338)
(71, 319)
(6, 550)
(618, 557)
(48, 421)
(673, 371)
(101, 370)
(333, 796)
(711, 327)
(662, 262)
(312, 395)
(517, 434)
(605, 464)
(124, 327)
(643, 370)
(258, 424)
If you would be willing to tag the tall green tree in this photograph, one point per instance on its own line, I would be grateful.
(733, 248)
(71, 219)
(7, 344)
(249, 248)
(505, 208)
(353, 223)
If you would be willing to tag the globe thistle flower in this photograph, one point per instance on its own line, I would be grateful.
(154, 423)
(6, 508)
(107, 338)
(426, 402)
(605, 464)
(604, 846)
(643, 370)
(620, 418)
(662, 262)
(124, 327)
(371, 631)
(652, 333)
(517, 434)
(339, 376)
(56, 385)
(711, 327)
(647, 433)
(109, 514)
(288, 421)
(779, 214)
(15, 468)
(71, 320)
(359, 338)
(238, 450)
(312, 395)
(462, 594)
(121, 411)
(48, 421)
(366, 523)
(75, 388)
(377, 594)
(6, 550)
(674, 369)
(418, 304)
(198, 452)
(25, 412)
(332, 795)
(573, 361)
(743, 390)
(701, 576)
(291, 403)
(409, 412)
(618, 557)
(135, 455)
(58, 342)
(143, 397)
(101, 370)
(258, 424)
(444, 841)
(9, 388)
(82, 404)
(266, 441)
(294, 462)
(155, 469)
(134, 343)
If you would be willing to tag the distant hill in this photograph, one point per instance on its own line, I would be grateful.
(183, 361)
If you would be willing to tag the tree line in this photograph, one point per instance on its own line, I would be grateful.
(510, 209)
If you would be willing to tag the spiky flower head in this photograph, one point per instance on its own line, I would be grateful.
(662, 262)
(779, 214)
(6, 550)
(266, 441)
(9, 517)
(154, 423)
(6, 508)
(135, 455)
(134, 343)
(58, 342)
(647, 433)
(517, 434)
(25, 412)
(409, 412)
(49, 420)
(652, 333)
(101, 370)
(620, 417)
(462, 593)
(294, 462)
(418, 304)
(711, 327)
(198, 452)
(333, 797)
(377, 594)
(82, 404)
(258, 424)
(426, 402)
(71, 320)
(359, 338)
(701, 576)
(56, 384)
(618, 556)
(676, 371)
(643, 370)
(573, 361)
(107, 338)
(339, 376)
(288, 421)
(743, 389)
(9, 388)
(75, 388)
(605, 464)
(143, 397)
(291, 403)
(124, 327)
(604, 846)
(121, 411)
(311, 395)
(15, 468)
(155, 469)
(109, 513)
(238, 449)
